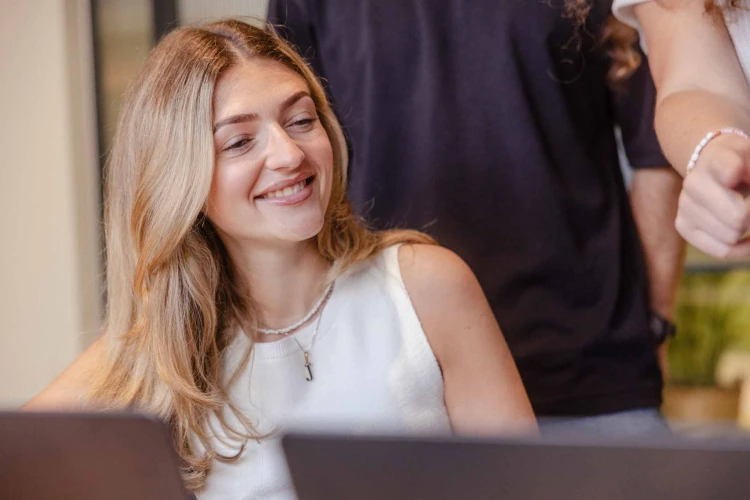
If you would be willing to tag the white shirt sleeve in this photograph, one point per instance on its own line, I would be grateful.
(624, 11)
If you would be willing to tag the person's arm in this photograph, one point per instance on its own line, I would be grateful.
(68, 391)
(654, 191)
(653, 197)
(701, 88)
(483, 390)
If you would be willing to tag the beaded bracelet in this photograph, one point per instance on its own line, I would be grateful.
(707, 138)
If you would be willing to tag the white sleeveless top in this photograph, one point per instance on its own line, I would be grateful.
(373, 372)
(738, 24)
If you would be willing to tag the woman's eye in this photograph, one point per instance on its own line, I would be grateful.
(304, 124)
(239, 144)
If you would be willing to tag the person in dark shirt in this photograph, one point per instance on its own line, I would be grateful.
(491, 125)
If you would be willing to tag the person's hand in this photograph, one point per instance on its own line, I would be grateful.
(713, 214)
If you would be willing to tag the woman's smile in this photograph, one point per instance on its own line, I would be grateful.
(289, 193)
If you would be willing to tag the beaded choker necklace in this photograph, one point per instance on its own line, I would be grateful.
(286, 331)
(289, 329)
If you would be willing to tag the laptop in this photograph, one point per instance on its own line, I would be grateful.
(336, 467)
(86, 457)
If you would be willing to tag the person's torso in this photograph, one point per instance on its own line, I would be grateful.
(373, 372)
(489, 125)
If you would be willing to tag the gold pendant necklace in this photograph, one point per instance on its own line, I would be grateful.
(306, 352)
(308, 366)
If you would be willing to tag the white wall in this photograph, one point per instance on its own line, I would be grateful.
(200, 11)
(49, 233)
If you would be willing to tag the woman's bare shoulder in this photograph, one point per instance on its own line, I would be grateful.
(435, 274)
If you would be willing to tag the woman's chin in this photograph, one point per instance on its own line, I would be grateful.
(301, 232)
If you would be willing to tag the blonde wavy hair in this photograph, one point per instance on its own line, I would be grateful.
(174, 299)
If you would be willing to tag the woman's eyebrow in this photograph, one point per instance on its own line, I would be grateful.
(248, 117)
(245, 117)
(292, 100)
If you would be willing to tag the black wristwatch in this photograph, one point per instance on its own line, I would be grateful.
(661, 328)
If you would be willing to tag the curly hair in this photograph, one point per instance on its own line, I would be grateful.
(617, 39)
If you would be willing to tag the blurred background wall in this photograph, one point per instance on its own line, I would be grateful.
(49, 243)
(64, 68)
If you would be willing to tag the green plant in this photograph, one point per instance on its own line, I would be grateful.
(713, 315)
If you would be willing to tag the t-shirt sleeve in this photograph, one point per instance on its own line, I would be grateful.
(294, 22)
(634, 108)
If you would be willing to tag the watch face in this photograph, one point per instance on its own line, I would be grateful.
(660, 328)
(656, 325)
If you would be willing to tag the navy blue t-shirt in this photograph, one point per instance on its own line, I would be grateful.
(489, 125)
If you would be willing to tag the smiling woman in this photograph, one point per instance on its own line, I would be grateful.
(227, 227)
(277, 156)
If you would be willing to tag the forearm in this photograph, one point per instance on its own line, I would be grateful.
(653, 199)
(699, 81)
(69, 390)
(684, 117)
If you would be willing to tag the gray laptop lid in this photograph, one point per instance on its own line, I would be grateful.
(330, 467)
(86, 457)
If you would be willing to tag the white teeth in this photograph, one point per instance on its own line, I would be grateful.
(287, 191)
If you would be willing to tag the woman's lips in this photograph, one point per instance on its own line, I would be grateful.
(290, 195)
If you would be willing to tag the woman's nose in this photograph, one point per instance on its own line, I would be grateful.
(282, 151)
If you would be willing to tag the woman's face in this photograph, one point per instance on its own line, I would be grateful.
(274, 161)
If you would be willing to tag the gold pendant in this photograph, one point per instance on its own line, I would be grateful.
(308, 365)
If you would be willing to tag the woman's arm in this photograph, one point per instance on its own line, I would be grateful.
(68, 390)
(700, 84)
(483, 390)
(701, 88)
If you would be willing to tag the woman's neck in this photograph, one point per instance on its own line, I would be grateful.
(285, 281)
